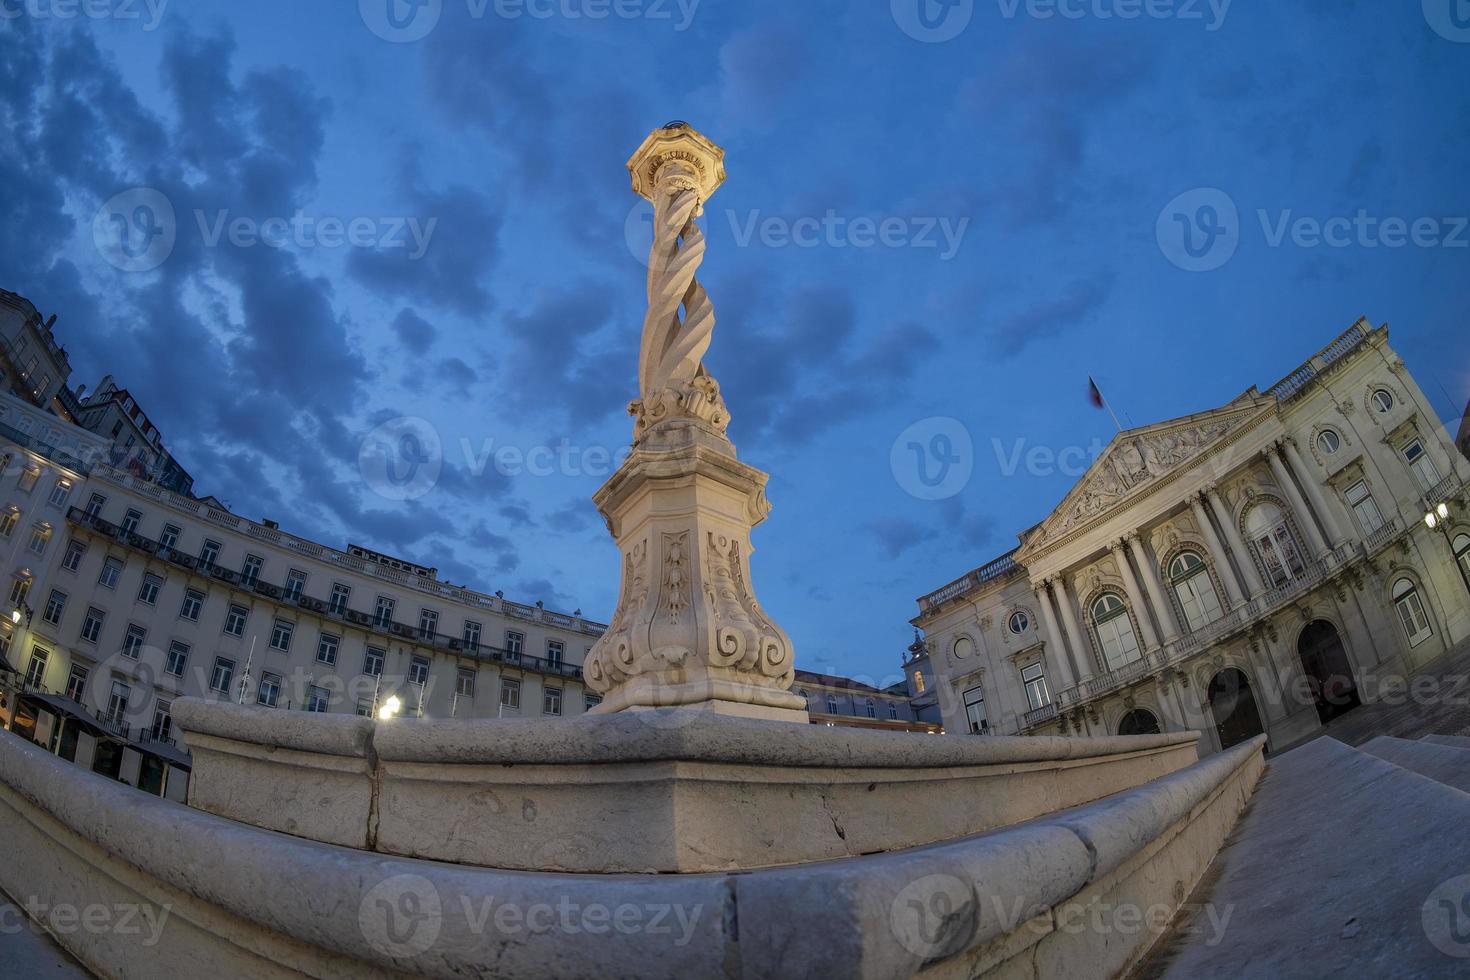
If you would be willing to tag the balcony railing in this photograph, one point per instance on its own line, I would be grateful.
(1039, 716)
(370, 622)
(1296, 382)
(1384, 536)
(1001, 567)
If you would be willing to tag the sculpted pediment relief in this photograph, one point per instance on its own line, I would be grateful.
(1138, 458)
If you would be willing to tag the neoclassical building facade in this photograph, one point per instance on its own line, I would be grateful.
(1262, 567)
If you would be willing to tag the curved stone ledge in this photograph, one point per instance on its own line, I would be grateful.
(688, 791)
(304, 731)
(249, 902)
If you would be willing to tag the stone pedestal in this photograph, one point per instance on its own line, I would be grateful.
(688, 631)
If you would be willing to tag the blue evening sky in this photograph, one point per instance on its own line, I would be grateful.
(1034, 176)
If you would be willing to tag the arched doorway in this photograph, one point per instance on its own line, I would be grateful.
(1139, 722)
(1233, 705)
(1329, 674)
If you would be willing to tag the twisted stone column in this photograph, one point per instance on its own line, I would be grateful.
(688, 630)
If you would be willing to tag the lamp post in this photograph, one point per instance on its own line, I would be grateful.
(390, 708)
(1439, 517)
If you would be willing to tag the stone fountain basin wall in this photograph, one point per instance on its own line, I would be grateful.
(246, 902)
(683, 791)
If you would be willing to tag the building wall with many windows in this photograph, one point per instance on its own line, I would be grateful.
(1258, 567)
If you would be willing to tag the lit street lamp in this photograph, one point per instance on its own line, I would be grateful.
(390, 708)
(1439, 517)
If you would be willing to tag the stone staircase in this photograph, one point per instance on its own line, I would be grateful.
(1349, 861)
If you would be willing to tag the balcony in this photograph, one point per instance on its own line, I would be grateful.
(1384, 536)
(1001, 567)
(1241, 618)
(368, 622)
(1039, 716)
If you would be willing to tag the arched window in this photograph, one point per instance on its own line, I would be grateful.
(869, 708)
(831, 704)
(963, 648)
(1329, 442)
(1195, 590)
(1139, 722)
(1383, 401)
(1462, 553)
(1019, 622)
(1411, 611)
(1115, 632)
(1275, 545)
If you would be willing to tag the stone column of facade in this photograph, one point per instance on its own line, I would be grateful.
(1155, 586)
(687, 630)
(1086, 662)
(1243, 554)
(1054, 644)
(1217, 551)
(1297, 466)
(1298, 503)
(1120, 549)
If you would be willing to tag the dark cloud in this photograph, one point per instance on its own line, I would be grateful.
(898, 535)
(414, 332)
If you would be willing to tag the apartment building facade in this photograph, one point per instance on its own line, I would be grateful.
(1262, 567)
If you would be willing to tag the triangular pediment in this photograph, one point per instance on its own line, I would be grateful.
(1137, 459)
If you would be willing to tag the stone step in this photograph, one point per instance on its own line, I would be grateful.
(1454, 741)
(1329, 873)
(1445, 764)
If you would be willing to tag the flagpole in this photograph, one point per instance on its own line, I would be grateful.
(1105, 403)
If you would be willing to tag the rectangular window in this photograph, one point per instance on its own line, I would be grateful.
(250, 571)
(193, 603)
(148, 591)
(130, 521)
(8, 519)
(170, 536)
(295, 583)
(364, 708)
(178, 656)
(551, 701)
(975, 711)
(28, 477)
(464, 682)
(55, 606)
(73, 558)
(510, 693)
(1420, 462)
(471, 634)
(418, 671)
(117, 702)
(892, 711)
(92, 625)
(39, 537)
(94, 505)
(133, 641)
(1033, 677)
(316, 699)
(514, 642)
(270, 689)
(19, 589)
(383, 614)
(36, 670)
(555, 650)
(223, 673)
(60, 492)
(209, 554)
(338, 604)
(162, 729)
(428, 623)
(372, 663)
(326, 649)
(1370, 518)
(281, 635)
(590, 701)
(111, 572)
(235, 620)
(76, 684)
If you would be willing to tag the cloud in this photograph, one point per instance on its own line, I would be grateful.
(414, 332)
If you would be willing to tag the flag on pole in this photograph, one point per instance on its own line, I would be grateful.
(1094, 393)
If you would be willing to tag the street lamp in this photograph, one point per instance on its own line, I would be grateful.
(390, 708)
(1439, 517)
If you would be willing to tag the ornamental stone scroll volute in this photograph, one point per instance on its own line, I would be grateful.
(744, 638)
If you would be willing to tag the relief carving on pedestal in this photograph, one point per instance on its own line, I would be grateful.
(743, 637)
